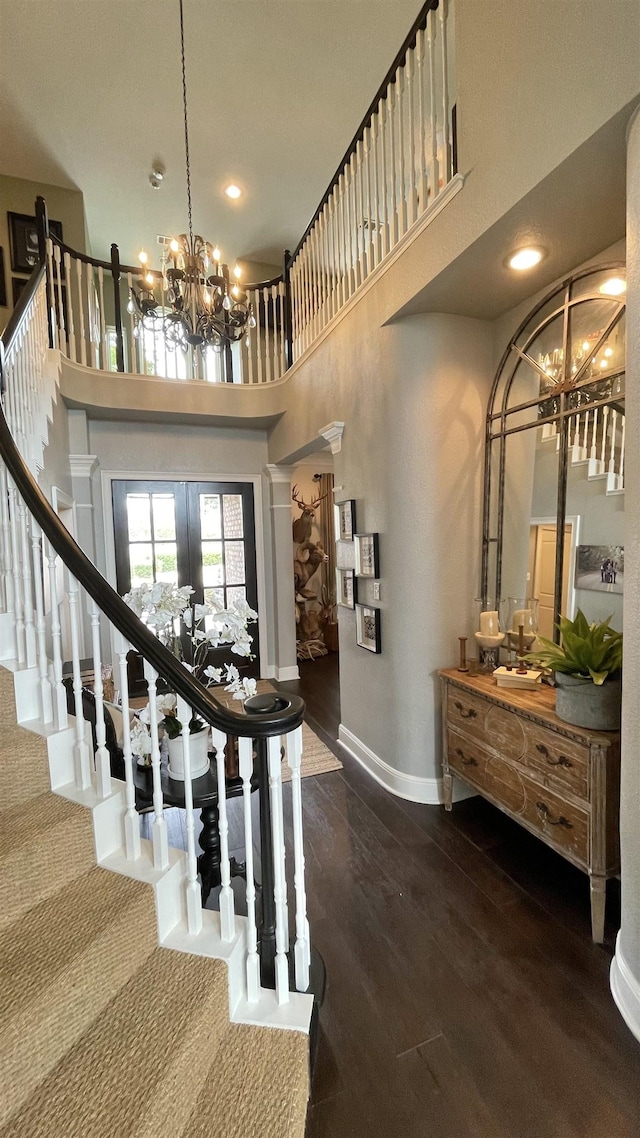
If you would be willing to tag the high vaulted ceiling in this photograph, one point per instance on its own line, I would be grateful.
(91, 95)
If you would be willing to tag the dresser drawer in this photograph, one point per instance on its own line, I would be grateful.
(562, 763)
(561, 823)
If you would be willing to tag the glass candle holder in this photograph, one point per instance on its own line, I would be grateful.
(520, 613)
(488, 634)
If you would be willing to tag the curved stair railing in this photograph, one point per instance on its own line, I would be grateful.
(396, 174)
(36, 553)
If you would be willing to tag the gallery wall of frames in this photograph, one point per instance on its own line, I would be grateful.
(357, 559)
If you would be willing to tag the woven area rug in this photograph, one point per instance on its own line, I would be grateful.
(316, 757)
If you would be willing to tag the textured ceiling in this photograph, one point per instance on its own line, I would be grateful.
(91, 95)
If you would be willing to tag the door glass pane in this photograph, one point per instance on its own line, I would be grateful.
(213, 597)
(212, 567)
(210, 525)
(141, 561)
(164, 517)
(236, 593)
(167, 562)
(138, 517)
(234, 562)
(232, 509)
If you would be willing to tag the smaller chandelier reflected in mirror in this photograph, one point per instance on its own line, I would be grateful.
(199, 306)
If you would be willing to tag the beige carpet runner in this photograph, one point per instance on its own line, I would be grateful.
(103, 1034)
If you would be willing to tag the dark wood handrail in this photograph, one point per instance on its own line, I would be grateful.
(15, 320)
(409, 42)
(285, 711)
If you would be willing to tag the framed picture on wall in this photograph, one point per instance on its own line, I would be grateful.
(600, 567)
(3, 281)
(368, 628)
(17, 285)
(345, 520)
(23, 239)
(345, 588)
(367, 558)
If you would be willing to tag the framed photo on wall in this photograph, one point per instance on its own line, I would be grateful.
(368, 628)
(345, 516)
(345, 588)
(17, 285)
(23, 239)
(3, 281)
(367, 557)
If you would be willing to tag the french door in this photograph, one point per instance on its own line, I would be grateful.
(189, 533)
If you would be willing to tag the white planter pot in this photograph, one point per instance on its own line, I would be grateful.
(198, 754)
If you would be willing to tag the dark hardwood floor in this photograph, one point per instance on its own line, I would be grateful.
(465, 998)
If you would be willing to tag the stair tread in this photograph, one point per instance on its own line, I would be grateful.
(259, 1085)
(29, 820)
(62, 962)
(138, 1069)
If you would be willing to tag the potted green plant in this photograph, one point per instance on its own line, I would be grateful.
(588, 672)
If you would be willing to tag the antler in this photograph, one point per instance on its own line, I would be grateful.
(294, 498)
(317, 501)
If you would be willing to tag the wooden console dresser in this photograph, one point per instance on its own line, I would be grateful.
(561, 782)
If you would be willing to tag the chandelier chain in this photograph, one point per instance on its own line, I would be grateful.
(186, 123)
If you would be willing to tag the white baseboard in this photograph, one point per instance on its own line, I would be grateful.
(290, 673)
(625, 990)
(415, 788)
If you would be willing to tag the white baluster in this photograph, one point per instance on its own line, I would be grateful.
(51, 315)
(411, 130)
(258, 337)
(46, 699)
(335, 255)
(16, 572)
(342, 240)
(131, 820)
(612, 451)
(315, 303)
(56, 643)
(94, 316)
(620, 483)
(442, 16)
(585, 436)
(431, 56)
(402, 191)
(7, 575)
(27, 586)
(227, 916)
(267, 348)
(603, 445)
(62, 329)
(82, 341)
(102, 760)
(245, 764)
(194, 901)
(422, 134)
(373, 189)
(383, 208)
(82, 758)
(279, 878)
(159, 828)
(133, 361)
(73, 355)
(360, 230)
(302, 951)
(283, 330)
(393, 160)
(104, 349)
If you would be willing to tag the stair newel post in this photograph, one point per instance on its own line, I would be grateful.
(42, 222)
(194, 896)
(227, 914)
(102, 761)
(117, 307)
(27, 586)
(159, 829)
(62, 717)
(245, 765)
(131, 820)
(288, 313)
(267, 929)
(82, 762)
(274, 750)
(302, 951)
(46, 699)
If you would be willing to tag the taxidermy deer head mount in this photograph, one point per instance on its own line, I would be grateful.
(302, 525)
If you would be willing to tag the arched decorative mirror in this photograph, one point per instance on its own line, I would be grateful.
(554, 462)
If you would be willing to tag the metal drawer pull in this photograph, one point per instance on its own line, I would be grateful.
(471, 762)
(465, 712)
(543, 811)
(561, 761)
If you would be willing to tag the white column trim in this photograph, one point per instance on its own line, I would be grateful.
(277, 473)
(333, 434)
(83, 465)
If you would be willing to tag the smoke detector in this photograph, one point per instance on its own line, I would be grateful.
(156, 176)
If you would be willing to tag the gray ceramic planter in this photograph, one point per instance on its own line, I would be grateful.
(586, 704)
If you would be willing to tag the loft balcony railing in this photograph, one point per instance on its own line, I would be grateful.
(398, 164)
(43, 575)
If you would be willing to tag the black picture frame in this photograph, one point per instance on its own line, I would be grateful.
(367, 555)
(3, 281)
(17, 285)
(368, 628)
(345, 520)
(23, 240)
(346, 588)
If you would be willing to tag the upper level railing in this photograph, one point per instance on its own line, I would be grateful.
(398, 163)
(40, 566)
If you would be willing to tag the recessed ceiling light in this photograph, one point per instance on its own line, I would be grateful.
(525, 258)
(233, 191)
(615, 286)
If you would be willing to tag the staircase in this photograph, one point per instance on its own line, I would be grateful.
(127, 1009)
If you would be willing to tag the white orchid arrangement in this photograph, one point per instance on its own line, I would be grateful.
(168, 609)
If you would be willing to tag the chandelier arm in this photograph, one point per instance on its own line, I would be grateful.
(186, 122)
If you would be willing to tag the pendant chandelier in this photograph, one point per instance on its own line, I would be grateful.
(200, 306)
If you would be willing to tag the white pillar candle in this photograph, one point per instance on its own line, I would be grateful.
(489, 623)
(521, 617)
